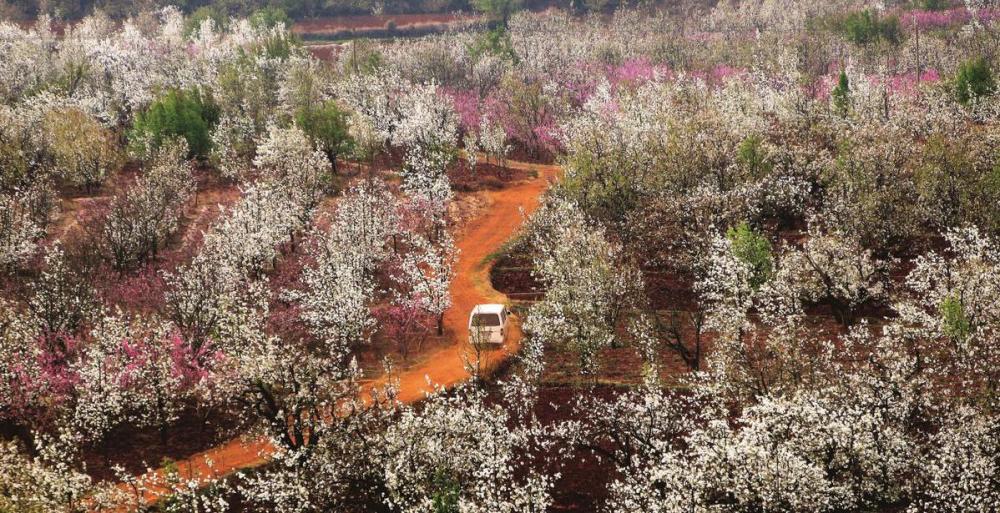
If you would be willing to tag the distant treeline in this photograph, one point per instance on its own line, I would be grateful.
(295, 9)
(74, 9)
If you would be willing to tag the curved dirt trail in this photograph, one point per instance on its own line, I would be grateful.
(444, 367)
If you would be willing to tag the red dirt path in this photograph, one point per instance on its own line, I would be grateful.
(445, 367)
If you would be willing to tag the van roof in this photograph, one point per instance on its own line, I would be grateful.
(489, 308)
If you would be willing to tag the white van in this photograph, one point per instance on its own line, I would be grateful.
(488, 324)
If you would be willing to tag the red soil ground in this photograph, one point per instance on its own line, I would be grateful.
(444, 366)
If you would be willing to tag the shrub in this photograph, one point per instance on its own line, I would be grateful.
(974, 79)
(754, 250)
(496, 42)
(178, 113)
(363, 57)
(934, 5)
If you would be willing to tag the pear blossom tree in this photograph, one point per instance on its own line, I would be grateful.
(962, 471)
(19, 232)
(338, 290)
(832, 268)
(61, 299)
(425, 275)
(135, 371)
(589, 286)
(140, 218)
(287, 157)
(460, 454)
(234, 145)
(50, 480)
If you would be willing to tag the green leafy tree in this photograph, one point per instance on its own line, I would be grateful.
(363, 57)
(753, 249)
(753, 158)
(270, 16)
(974, 79)
(84, 152)
(934, 5)
(842, 95)
(190, 114)
(866, 27)
(327, 127)
(496, 42)
(446, 494)
(499, 10)
(206, 12)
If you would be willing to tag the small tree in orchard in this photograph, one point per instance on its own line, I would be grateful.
(963, 473)
(831, 268)
(234, 145)
(206, 14)
(290, 164)
(335, 302)
(61, 298)
(133, 371)
(268, 17)
(973, 80)
(428, 129)
(460, 453)
(140, 218)
(51, 480)
(327, 126)
(208, 300)
(85, 153)
(190, 114)
(493, 141)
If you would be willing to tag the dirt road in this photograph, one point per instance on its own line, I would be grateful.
(445, 366)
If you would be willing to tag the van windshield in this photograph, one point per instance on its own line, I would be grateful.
(485, 320)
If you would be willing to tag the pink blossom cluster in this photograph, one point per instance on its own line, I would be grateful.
(466, 103)
(719, 74)
(926, 20)
(899, 84)
(192, 365)
(542, 130)
(39, 386)
(905, 83)
(635, 72)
